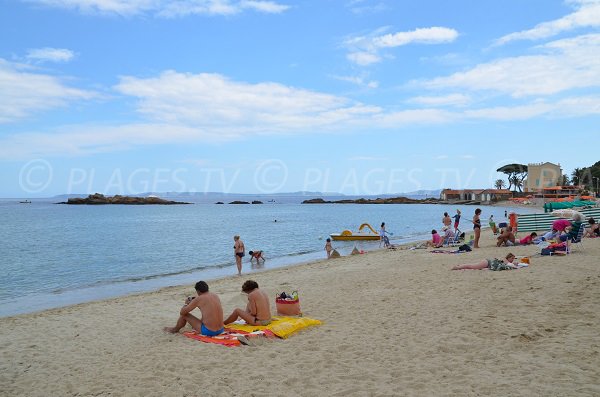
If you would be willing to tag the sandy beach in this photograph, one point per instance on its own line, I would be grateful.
(395, 322)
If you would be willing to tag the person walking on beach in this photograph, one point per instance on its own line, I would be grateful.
(382, 233)
(211, 323)
(239, 251)
(492, 224)
(456, 220)
(476, 227)
(258, 309)
(328, 248)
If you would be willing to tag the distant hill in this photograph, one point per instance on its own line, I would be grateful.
(288, 197)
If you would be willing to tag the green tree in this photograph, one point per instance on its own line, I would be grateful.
(499, 184)
(516, 173)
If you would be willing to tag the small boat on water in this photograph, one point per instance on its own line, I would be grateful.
(25, 202)
(348, 235)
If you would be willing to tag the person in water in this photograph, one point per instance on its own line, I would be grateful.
(239, 251)
(456, 220)
(258, 255)
(211, 322)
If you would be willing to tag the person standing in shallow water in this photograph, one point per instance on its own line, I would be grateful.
(477, 227)
(240, 251)
(456, 220)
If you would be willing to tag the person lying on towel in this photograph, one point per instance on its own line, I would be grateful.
(258, 310)
(211, 323)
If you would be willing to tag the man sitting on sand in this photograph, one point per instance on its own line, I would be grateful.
(211, 323)
(258, 310)
(507, 237)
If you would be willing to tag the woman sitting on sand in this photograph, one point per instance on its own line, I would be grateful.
(593, 230)
(492, 264)
(436, 240)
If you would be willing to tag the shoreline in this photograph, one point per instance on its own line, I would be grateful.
(394, 322)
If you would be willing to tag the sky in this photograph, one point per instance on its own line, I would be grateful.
(255, 96)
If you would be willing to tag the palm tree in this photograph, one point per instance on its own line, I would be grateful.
(516, 182)
(575, 176)
(499, 184)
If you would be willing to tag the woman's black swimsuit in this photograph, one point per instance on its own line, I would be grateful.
(477, 224)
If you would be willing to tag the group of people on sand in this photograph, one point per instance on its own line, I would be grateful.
(212, 322)
(563, 231)
(240, 251)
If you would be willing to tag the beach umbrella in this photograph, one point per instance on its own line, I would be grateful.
(566, 213)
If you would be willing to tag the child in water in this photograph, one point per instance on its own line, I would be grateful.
(328, 248)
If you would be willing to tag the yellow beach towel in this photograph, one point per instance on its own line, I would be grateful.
(280, 326)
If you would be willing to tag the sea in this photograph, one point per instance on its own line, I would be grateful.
(54, 255)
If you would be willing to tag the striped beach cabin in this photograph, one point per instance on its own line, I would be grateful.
(543, 222)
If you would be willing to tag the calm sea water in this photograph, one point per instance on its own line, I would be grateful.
(55, 255)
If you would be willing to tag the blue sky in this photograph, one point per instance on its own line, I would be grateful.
(351, 96)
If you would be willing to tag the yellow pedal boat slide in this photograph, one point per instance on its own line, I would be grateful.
(348, 235)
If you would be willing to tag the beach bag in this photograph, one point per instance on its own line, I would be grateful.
(288, 304)
(465, 248)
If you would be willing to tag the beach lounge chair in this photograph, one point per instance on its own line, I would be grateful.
(454, 240)
(577, 240)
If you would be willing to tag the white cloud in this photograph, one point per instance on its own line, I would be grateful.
(50, 54)
(586, 15)
(564, 108)
(268, 7)
(185, 109)
(566, 64)
(364, 50)
(358, 80)
(360, 7)
(166, 8)
(444, 100)
(433, 35)
(211, 100)
(363, 58)
(25, 92)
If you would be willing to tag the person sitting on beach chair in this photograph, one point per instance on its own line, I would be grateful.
(448, 235)
(211, 323)
(258, 309)
(258, 255)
